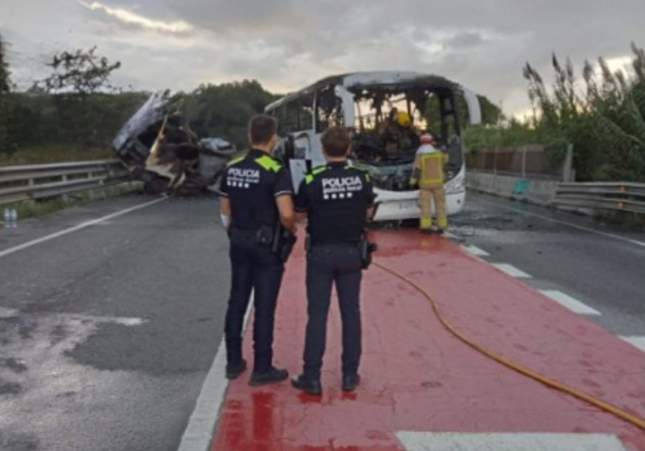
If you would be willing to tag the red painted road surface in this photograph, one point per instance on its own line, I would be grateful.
(418, 377)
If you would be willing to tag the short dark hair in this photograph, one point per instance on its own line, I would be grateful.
(261, 128)
(336, 141)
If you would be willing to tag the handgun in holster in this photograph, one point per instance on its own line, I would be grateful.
(283, 242)
(366, 248)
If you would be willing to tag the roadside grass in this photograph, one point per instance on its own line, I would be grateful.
(54, 153)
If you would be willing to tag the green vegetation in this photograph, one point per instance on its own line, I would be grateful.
(75, 112)
(5, 84)
(54, 153)
(605, 121)
(224, 110)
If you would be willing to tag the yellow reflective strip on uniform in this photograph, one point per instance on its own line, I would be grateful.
(236, 160)
(318, 170)
(268, 163)
(314, 172)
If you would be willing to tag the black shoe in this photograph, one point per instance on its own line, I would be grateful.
(309, 386)
(350, 382)
(234, 371)
(272, 376)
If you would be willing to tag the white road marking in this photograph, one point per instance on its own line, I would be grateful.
(575, 226)
(511, 270)
(201, 425)
(450, 441)
(6, 313)
(639, 342)
(476, 251)
(78, 227)
(567, 301)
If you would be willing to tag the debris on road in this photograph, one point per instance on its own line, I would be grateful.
(159, 148)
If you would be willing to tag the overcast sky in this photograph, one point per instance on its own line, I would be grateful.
(286, 44)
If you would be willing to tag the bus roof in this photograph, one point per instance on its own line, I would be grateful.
(376, 79)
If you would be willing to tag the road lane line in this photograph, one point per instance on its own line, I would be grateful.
(6, 313)
(78, 227)
(511, 270)
(476, 251)
(570, 224)
(449, 441)
(637, 341)
(570, 303)
(201, 426)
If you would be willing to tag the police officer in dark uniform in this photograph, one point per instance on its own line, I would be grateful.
(338, 200)
(257, 196)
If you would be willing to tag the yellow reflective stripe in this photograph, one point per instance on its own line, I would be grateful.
(314, 172)
(235, 160)
(268, 163)
(317, 170)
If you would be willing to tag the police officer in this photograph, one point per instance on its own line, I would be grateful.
(337, 199)
(256, 195)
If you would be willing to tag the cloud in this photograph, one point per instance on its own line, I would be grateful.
(134, 19)
(287, 44)
(466, 39)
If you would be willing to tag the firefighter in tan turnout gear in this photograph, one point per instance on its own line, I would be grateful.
(428, 173)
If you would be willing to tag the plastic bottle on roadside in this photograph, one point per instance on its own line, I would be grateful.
(7, 218)
(14, 218)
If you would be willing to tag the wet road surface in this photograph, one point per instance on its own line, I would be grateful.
(603, 272)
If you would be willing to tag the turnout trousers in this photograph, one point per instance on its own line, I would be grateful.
(426, 198)
(338, 264)
(254, 269)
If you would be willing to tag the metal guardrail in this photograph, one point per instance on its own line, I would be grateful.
(42, 181)
(619, 196)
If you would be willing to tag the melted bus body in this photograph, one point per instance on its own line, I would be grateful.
(367, 103)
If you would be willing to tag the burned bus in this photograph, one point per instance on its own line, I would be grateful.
(366, 103)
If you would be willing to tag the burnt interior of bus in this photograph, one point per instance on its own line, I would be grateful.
(383, 147)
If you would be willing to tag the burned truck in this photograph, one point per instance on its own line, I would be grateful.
(160, 149)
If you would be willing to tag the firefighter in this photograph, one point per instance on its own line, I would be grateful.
(428, 173)
(398, 134)
(337, 199)
(256, 196)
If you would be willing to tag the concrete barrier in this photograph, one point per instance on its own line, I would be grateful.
(535, 190)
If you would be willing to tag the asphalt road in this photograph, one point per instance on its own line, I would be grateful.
(107, 333)
(604, 272)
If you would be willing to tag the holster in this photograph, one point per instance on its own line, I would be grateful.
(265, 236)
(283, 243)
(367, 249)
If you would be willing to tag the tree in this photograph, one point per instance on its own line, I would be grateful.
(5, 75)
(80, 71)
(5, 85)
(224, 110)
(79, 85)
(605, 121)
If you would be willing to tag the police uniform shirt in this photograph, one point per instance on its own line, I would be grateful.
(252, 183)
(336, 198)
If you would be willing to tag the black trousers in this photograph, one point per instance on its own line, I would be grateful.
(254, 268)
(328, 265)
